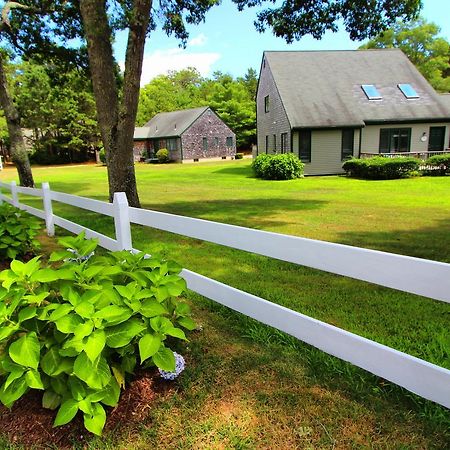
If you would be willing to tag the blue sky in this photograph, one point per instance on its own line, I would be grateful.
(228, 42)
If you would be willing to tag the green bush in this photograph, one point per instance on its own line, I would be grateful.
(238, 156)
(381, 168)
(76, 331)
(18, 231)
(163, 155)
(102, 156)
(440, 162)
(278, 166)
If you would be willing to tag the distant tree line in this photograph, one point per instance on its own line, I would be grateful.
(58, 113)
(233, 99)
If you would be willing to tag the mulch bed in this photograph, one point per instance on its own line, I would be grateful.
(30, 425)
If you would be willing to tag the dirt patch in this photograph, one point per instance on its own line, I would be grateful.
(30, 425)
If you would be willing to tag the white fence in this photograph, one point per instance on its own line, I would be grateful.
(418, 276)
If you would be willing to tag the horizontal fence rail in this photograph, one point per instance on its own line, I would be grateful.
(414, 275)
(405, 273)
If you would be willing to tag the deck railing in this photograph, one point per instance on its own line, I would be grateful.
(420, 155)
(418, 276)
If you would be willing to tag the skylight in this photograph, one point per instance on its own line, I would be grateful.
(408, 91)
(371, 92)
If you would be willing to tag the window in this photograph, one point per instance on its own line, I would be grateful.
(205, 144)
(304, 150)
(371, 92)
(408, 91)
(283, 142)
(230, 141)
(394, 140)
(266, 104)
(348, 139)
(267, 144)
(216, 141)
(275, 143)
(171, 144)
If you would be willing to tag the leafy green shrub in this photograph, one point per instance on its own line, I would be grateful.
(76, 331)
(18, 231)
(163, 155)
(238, 156)
(381, 168)
(285, 166)
(441, 162)
(102, 156)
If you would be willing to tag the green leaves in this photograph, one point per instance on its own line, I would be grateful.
(67, 411)
(95, 374)
(95, 421)
(95, 344)
(93, 320)
(148, 345)
(53, 364)
(122, 334)
(165, 359)
(26, 351)
(17, 235)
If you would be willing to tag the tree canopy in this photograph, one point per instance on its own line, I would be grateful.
(60, 109)
(421, 42)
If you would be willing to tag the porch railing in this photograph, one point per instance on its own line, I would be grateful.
(420, 155)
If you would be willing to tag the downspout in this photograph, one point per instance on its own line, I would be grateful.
(360, 140)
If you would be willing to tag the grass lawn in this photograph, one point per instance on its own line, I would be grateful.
(249, 386)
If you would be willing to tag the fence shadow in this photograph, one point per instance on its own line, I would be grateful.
(253, 213)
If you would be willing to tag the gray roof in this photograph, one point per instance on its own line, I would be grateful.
(323, 88)
(169, 124)
(445, 100)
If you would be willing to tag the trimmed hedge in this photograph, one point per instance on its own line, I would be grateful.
(278, 166)
(238, 156)
(163, 155)
(441, 162)
(381, 168)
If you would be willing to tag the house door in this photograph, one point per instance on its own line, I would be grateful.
(436, 140)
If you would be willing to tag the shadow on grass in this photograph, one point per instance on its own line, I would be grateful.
(239, 171)
(254, 213)
(431, 242)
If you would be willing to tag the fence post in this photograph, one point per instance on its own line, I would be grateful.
(122, 221)
(48, 209)
(14, 196)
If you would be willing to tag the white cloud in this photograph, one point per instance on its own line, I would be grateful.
(161, 61)
(198, 41)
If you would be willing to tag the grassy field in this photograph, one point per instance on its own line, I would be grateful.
(249, 386)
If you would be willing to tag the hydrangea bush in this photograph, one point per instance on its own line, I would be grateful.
(78, 330)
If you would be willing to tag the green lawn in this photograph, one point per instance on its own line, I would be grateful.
(410, 217)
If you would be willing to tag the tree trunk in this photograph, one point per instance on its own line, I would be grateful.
(19, 154)
(116, 120)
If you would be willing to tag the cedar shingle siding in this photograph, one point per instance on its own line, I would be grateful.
(273, 122)
(208, 126)
(190, 134)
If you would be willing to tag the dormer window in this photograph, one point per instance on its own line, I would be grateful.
(371, 92)
(408, 91)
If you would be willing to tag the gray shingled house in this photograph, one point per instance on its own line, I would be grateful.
(326, 106)
(188, 134)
